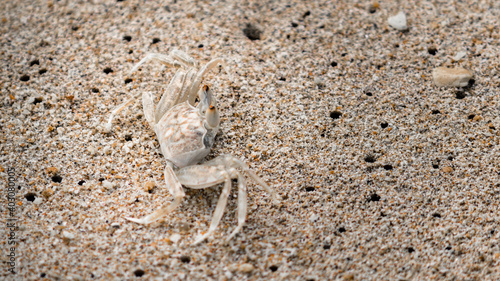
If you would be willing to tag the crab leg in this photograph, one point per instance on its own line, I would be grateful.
(229, 161)
(203, 176)
(242, 204)
(163, 59)
(184, 92)
(118, 109)
(175, 188)
(199, 76)
(219, 210)
(175, 58)
(149, 108)
(183, 57)
(171, 95)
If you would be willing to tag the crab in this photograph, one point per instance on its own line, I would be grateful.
(186, 134)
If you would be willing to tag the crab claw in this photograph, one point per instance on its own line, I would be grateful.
(212, 116)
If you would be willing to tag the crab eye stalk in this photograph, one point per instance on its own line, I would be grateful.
(212, 116)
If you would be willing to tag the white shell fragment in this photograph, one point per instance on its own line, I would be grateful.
(246, 268)
(107, 185)
(175, 237)
(451, 77)
(68, 235)
(398, 21)
(459, 56)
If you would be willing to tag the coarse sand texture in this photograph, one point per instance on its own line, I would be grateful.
(376, 123)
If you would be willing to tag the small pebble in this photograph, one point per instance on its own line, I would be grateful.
(106, 184)
(68, 235)
(149, 185)
(38, 201)
(398, 21)
(459, 56)
(348, 276)
(47, 192)
(447, 169)
(451, 77)
(51, 171)
(175, 237)
(246, 268)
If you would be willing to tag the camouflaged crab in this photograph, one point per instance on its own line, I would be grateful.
(186, 134)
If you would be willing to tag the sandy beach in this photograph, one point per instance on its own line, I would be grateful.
(382, 174)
